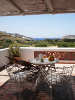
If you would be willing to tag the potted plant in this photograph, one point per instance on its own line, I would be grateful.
(14, 50)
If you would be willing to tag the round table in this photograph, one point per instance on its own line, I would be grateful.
(46, 62)
(42, 66)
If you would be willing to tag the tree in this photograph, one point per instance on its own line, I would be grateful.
(41, 45)
(62, 44)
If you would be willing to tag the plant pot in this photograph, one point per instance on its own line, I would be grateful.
(17, 58)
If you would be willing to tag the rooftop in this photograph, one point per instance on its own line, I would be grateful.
(35, 7)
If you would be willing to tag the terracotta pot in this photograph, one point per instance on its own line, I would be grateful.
(17, 57)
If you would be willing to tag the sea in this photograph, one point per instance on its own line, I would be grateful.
(44, 38)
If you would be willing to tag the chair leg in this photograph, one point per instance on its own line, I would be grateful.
(46, 87)
(19, 90)
(10, 81)
(68, 88)
(32, 84)
(50, 87)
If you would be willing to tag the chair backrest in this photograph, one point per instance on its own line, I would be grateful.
(60, 76)
(8, 69)
(63, 74)
(65, 70)
(18, 76)
(27, 65)
(12, 69)
(13, 60)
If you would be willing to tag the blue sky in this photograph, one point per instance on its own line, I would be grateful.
(40, 26)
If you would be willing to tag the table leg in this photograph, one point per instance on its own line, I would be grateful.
(38, 84)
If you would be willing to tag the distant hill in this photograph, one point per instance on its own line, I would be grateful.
(16, 35)
(68, 37)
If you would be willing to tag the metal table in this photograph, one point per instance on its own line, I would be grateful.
(42, 66)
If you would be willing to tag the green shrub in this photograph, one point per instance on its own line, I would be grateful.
(8, 41)
(66, 44)
(5, 45)
(41, 45)
(62, 44)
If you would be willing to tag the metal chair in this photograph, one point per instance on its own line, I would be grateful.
(16, 75)
(58, 77)
(13, 60)
(27, 65)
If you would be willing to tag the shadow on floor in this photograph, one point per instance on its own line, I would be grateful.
(9, 91)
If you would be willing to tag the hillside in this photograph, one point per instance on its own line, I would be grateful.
(69, 37)
(5, 35)
(6, 39)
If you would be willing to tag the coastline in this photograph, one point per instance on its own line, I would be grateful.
(44, 38)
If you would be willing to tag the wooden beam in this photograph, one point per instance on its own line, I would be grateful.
(48, 4)
(64, 9)
(15, 6)
(39, 13)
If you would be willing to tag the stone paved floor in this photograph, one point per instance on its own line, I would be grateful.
(10, 91)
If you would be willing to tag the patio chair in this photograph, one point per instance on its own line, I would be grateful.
(28, 66)
(59, 77)
(20, 77)
(13, 60)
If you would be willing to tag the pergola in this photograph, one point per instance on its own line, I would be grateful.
(35, 7)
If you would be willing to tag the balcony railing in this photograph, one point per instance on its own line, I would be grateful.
(30, 52)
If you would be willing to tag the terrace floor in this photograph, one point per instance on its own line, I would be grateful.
(10, 90)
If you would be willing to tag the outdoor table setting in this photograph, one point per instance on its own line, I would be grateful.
(54, 76)
(41, 60)
(43, 63)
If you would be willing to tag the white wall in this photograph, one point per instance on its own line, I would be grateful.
(3, 53)
(28, 52)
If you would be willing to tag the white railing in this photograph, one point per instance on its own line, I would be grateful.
(28, 52)
(3, 53)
